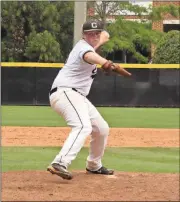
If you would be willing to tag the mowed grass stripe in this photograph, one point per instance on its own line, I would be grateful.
(116, 117)
(159, 160)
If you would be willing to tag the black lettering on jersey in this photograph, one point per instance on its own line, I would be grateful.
(94, 72)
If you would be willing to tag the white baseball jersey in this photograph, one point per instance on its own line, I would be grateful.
(77, 73)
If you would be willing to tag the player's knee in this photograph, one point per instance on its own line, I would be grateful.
(87, 129)
(104, 129)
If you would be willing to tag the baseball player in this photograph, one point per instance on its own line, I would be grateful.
(68, 98)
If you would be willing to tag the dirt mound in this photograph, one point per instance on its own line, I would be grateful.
(42, 186)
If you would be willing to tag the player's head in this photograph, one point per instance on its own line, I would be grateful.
(92, 25)
(91, 31)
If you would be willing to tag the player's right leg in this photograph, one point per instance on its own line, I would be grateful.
(73, 108)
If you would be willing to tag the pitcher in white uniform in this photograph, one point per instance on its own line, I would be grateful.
(68, 99)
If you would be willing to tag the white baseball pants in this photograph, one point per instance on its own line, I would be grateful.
(84, 120)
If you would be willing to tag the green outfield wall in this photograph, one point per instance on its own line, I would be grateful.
(152, 85)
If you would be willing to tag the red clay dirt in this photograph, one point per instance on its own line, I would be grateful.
(123, 186)
(119, 137)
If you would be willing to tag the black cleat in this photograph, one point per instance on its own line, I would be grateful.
(102, 171)
(60, 171)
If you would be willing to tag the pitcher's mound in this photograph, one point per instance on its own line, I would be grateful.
(42, 186)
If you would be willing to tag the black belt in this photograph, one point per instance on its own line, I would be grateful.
(55, 89)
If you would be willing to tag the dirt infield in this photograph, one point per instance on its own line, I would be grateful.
(123, 186)
(119, 137)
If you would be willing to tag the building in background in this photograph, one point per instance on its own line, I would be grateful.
(168, 22)
(127, 14)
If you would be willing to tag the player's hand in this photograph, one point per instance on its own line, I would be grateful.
(109, 67)
(104, 37)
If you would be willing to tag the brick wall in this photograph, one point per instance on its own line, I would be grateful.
(158, 25)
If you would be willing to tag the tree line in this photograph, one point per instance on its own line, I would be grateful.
(36, 31)
(42, 31)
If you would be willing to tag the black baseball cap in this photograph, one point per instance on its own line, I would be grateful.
(92, 25)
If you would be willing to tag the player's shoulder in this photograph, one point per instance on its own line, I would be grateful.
(82, 44)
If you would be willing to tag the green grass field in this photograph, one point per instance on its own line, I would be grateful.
(116, 117)
(165, 160)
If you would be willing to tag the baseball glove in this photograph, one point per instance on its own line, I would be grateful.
(109, 66)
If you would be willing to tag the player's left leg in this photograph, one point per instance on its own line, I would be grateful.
(98, 142)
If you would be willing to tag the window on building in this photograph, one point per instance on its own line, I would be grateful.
(169, 27)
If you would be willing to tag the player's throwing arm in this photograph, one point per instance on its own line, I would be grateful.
(107, 65)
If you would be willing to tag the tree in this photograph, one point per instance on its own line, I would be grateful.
(20, 19)
(66, 21)
(128, 36)
(12, 24)
(168, 49)
(131, 37)
(42, 47)
(106, 9)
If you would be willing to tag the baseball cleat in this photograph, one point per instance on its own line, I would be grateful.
(60, 171)
(102, 171)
